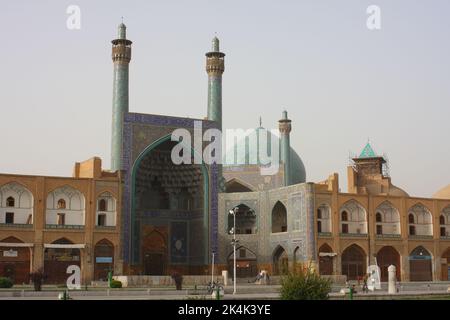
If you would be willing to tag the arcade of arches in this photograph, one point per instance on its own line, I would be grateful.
(354, 263)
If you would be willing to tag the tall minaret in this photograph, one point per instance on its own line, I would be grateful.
(121, 56)
(215, 66)
(285, 128)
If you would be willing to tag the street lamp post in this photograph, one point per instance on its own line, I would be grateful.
(212, 269)
(234, 243)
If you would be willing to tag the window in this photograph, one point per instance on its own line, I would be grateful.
(379, 229)
(61, 219)
(319, 214)
(412, 230)
(441, 220)
(102, 205)
(443, 234)
(9, 217)
(248, 231)
(283, 228)
(101, 220)
(30, 219)
(378, 217)
(61, 204)
(344, 228)
(319, 226)
(411, 218)
(10, 202)
(242, 253)
(344, 216)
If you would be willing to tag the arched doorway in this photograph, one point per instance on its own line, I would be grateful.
(279, 218)
(57, 259)
(325, 260)
(15, 261)
(280, 261)
(354, 263)
(154, 253)
(173, 199)
(387, 256)
(246, 264)
(445, 267)
(420, 265)
(104, 259)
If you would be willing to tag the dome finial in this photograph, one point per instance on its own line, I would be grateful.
(260, 121)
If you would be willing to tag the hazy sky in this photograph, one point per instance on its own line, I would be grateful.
(340, 81)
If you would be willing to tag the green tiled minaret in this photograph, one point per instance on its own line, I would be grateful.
(285, 128)
(121, 56)
(215, 66)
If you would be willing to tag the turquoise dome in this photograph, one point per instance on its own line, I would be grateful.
(251, 154)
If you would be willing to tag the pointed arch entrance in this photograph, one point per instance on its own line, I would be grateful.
(14, 261)
(420, 265)
(354, 262)
(104, 259)
(246, 263)
(58, 258)
(280, 261)
(387, 256)
(325, 260)
(154, 252)
(173, 199)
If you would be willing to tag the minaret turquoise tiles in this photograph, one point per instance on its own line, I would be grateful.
(215, 66)
(121, 56)
(285, 128)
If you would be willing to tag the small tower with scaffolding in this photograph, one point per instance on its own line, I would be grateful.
(368, 173)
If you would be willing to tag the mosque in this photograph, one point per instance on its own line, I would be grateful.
(149, 216)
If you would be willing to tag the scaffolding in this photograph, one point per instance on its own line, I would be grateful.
(351, 163)
(385, 167)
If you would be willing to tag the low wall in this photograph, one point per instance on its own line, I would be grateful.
(147, 281)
